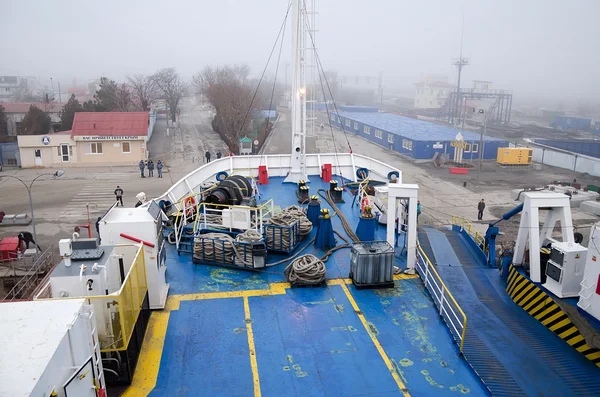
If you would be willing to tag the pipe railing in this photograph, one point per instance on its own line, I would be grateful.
(471, 229)
(449, 309)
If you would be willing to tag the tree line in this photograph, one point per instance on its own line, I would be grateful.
(135, 95)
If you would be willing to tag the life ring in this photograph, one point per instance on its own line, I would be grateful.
(189, 205)
(364, 203)
(221, 176)
(362, 173)
(396, 173)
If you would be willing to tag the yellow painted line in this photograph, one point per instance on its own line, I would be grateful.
(574, 340)
(382, 352)
(253, 362)
(560, 324)
(593, 356)
(146, 372)
(566, 334)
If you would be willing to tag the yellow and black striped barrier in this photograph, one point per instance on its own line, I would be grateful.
(542, 307)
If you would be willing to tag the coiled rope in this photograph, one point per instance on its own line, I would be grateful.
(307, 269)
(221, 247)
(285, 239)
(345, 223)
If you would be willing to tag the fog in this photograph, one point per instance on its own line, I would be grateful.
(538, 48)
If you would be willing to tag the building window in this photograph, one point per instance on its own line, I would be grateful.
(347, 123)
(367, 130)
(378, 134)
(95, 148)
(125, 147)
(468, 148)
(333, 117)
(356, 125)
(390, 138)
(475, 148)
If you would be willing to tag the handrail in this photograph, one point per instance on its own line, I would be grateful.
(440, 294)
(472, 230)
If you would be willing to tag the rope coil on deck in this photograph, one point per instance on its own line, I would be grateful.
(307, 269)
(287, 218)
(222, 247)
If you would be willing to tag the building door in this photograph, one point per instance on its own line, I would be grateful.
(38, 157)
(82, 383)
(64, 152)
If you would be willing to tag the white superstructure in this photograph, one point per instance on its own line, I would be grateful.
(49, 346)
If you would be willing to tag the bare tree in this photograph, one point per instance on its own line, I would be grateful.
(144, 91)
(171, 87)
(230, 92)
(123, 101)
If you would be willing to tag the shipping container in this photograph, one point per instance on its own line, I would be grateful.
(514, 156)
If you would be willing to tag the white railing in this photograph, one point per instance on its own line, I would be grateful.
(344, 165)
(449, 310)
(211, 216)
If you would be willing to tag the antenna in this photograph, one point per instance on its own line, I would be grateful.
(460, 63)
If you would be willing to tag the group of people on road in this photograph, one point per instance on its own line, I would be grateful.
(149, 164)
(208, 155)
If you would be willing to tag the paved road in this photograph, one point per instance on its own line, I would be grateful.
(61, 204)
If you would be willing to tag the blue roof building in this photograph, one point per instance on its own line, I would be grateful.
(414, 138)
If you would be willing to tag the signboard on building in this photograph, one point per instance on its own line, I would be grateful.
(110, 138)
(46, 140)
(459, 144)
(438, 145)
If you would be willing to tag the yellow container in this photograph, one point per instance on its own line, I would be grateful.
(514, 156)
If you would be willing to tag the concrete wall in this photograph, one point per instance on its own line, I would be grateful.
(567, 160)
(112, 153)
(28, 144)
(80, 152)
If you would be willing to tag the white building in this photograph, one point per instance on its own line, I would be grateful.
(482, 86)
(432, 94)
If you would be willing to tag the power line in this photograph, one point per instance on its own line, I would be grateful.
(281, 29)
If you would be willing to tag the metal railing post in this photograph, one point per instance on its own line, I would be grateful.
(442, 302)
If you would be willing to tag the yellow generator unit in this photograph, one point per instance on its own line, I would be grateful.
(514, 156)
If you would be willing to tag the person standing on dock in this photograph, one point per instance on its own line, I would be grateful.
(207, 155)
(119, 195)
(159, 167)
(480, 208)
(142, 166)
(219, 154)
(150, 168)
(26, 238)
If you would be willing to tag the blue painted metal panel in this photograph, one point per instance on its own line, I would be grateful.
(597, 127)
(418, 135)
(571, 123)
(206, 351)
(359, 109)
(513, 352)
(586, 147)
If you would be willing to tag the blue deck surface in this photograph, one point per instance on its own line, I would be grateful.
(308, 341)
(512, 352)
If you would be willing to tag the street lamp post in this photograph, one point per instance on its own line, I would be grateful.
(56, 174)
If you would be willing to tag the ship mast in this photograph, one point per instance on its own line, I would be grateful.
(299, 93)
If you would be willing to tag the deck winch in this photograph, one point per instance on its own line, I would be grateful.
(231, 191)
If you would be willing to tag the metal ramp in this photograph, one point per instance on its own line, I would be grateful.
(513, 353)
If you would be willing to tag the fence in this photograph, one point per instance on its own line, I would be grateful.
(117, 313)
(472, 230)
(449, 310)
(28, 272)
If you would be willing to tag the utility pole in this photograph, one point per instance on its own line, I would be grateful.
(460, 63)
(483, 130)
(381, 87)
(59, 96)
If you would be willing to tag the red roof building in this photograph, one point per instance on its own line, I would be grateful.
(110, 124)
(23, 107)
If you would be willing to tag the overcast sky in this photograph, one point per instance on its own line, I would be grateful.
(537, 48)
